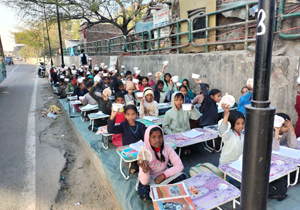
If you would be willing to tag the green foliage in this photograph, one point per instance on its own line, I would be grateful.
(28, 52)
(115, 12)
(32, 37)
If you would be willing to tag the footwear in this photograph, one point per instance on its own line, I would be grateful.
(279, 197)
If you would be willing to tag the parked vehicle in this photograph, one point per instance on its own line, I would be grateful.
(9, 61)
(41, 70)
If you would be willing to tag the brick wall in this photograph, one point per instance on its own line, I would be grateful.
(99, 32)
(228, 1)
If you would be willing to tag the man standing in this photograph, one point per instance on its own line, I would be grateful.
(83, 58)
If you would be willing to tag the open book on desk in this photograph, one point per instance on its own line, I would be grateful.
(97, 115)
(173, 196)
(137, 145)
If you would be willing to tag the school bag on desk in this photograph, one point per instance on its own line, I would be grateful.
(206, 167)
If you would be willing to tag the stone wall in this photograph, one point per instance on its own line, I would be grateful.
(227, 71)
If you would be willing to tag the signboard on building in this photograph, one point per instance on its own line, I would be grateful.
(161, 18)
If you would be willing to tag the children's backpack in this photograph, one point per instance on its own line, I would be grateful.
(278, 189)
(206, 167)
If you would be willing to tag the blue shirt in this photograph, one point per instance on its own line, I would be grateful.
(244, 100)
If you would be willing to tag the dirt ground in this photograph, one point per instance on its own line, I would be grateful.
(80, 186)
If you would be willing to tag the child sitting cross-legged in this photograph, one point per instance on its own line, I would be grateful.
(61, 91)
(80, 89)
(130, 97)
(88, 99)
(285, 134)
(148, 106)
(120, 116)
(186, 83)
(209, 107)
(184, 90)
(177, 120)
(160, 96)
(157, 169)
(131, 130)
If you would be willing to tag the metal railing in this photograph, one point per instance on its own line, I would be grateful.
(91, 48)
(103, 46)
(117, 44)
(207, 29)
(154, 40)
(165, 42)
(281, 17)
(138, 42)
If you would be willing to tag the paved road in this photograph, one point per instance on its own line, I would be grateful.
(29, 170)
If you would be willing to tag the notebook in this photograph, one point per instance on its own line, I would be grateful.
(288, 152)
(173, 196)
(238, 164)
(151, 119)
(88, 107)
(192, 133)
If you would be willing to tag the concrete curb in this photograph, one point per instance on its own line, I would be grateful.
(95, 160)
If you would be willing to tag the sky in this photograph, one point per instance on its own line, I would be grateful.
(8, 23)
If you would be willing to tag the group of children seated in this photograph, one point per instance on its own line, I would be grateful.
(96, 85)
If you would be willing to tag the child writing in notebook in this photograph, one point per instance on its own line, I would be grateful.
(157, 168)
(209, 107)
(177, 120)
(284, 134)
(230, 128)
(148, 106)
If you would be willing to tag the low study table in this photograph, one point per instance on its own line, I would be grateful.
(182, 141)
(212, 191)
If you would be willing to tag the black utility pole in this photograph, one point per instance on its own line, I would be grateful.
(59, 34)
(259, 117)
(50, 53)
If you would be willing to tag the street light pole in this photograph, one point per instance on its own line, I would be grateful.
(259, 117)
(59, 34)
(50, 53)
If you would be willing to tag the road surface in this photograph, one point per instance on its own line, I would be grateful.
(36, 152)
(24, 181)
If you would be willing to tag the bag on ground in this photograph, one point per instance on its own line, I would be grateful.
(206, 167)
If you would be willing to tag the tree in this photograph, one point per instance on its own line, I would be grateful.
(115, 12)
(32, 37)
